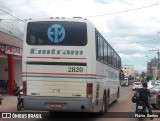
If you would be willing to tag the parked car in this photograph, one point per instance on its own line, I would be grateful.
(151, 84)
(137, 85)
(131, 82)
(157, 82)
(152, 99)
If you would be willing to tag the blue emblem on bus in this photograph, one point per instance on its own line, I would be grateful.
(56, 33)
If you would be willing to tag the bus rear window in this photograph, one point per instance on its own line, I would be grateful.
(57, 33)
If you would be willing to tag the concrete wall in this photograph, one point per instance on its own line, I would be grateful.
(7, 39)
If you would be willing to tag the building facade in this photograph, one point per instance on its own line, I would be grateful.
(11, 36)
(153, 68)
(128, 70)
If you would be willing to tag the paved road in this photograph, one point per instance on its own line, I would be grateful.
(123, 104)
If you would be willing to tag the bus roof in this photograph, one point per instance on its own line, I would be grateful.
(80, 19)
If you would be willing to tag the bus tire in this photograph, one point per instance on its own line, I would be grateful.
(118, 93)
(105, 103)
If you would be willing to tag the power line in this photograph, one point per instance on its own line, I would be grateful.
(137, 42)
(12, 16)
(124, 11)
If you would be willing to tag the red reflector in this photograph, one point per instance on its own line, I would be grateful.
(89, 89)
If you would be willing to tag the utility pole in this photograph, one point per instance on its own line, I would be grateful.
(149, 67)
(158, 65)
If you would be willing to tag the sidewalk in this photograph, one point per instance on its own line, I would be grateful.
(9, 103)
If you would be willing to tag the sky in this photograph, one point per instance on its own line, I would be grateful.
(132, 27)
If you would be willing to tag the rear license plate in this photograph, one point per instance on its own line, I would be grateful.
(140, 107)
(56, 105)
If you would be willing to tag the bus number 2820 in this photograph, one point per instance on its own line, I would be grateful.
(75, 69)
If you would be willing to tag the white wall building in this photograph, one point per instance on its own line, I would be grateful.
(128, 70)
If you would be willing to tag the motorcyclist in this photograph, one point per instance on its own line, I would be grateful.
(20, 99)
(144, 92)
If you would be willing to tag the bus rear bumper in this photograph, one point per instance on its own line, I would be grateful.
(58, 104)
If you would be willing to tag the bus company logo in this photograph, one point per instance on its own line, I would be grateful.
(56, 33)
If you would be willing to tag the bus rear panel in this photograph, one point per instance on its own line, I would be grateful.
(55, 67)
(68, 66)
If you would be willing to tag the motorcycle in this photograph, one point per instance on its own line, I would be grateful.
(19, 99)
(140, 108)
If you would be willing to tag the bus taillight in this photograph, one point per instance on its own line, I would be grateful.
(89, 89)
(24, 87)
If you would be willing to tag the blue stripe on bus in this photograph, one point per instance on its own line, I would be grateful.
(62, 77)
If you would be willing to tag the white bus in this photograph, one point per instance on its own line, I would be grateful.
(68, 66)
(125, 82)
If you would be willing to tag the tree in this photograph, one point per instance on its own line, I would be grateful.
(130, 77)
(143, 74)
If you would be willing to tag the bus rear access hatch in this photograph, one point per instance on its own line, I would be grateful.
(49, 79)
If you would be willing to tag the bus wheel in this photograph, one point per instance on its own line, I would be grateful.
(118, 93)
(104, 105)
(107, 103)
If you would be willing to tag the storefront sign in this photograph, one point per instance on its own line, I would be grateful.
(10, 50)
(2, 49)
